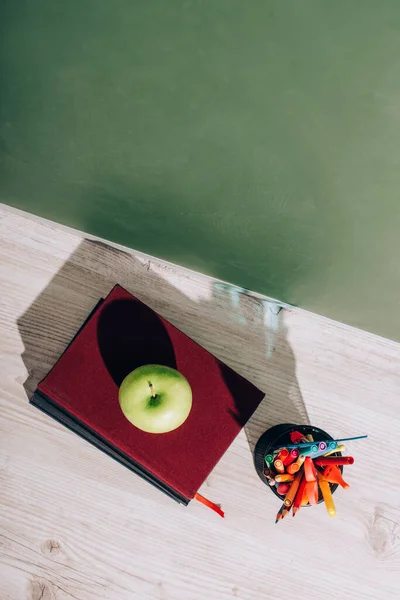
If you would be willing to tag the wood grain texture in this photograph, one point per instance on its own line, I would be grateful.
(76, 525)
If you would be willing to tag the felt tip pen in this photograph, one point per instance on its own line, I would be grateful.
(295, 466)
(312, 492)
(340, 448)
(318, 449)
(278, 464)
(269, 459)
(318, 453)
(333, 475)
(327, 495)
(284, 453)
(310, 470)
(325, 461)
(296, 437)
(292, 456)
(283, 488)
(283, 477)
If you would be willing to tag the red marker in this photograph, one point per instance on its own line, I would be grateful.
(283, 454)
(292, 456)
(283, 489)
(325, 461)
(297, 438)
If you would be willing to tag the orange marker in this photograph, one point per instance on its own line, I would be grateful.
(312, 492)
(299, 495)
(310, 470)
(284, 478)
(292, 456)
(278, 464)
(288, 501)
(295, 466)
(333, 475)
(283, 488)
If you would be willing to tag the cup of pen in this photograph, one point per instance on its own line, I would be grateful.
(280, 463)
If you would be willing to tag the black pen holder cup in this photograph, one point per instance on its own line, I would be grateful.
(279, 436)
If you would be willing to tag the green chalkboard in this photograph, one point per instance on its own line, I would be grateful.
(256, 141)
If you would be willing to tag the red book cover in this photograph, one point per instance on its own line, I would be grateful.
(81, 391)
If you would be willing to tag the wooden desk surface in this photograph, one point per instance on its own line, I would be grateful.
(76, 525)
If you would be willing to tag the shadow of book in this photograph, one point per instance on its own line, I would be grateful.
(131, 335)
(50, 323)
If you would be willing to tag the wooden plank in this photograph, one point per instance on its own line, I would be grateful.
(74, 524)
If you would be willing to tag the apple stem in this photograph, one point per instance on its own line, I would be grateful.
(153, 394)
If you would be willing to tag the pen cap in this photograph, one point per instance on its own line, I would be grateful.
(279, 435)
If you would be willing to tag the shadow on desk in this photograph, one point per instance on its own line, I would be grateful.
(235, 334)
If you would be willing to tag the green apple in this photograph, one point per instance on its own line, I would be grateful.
(155, 398)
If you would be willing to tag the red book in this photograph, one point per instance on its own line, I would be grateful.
(81, 391)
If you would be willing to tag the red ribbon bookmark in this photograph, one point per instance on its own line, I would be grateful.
(210, 504)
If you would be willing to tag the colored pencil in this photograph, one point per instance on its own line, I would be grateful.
(299, 495)
(290, 496)
(300, 445)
